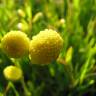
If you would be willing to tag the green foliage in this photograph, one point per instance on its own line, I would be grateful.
(74, 72)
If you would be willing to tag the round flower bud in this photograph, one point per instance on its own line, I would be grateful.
(15, 44)
(12, 73)
(45, 47)
(21, 13)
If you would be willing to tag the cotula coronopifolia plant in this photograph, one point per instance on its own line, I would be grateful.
(15, 44)
(43, 49)
(12, 73)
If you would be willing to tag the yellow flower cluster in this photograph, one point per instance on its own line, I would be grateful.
(12, 73)
(45, 47)
(15, 44)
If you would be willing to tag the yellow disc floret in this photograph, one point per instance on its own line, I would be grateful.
(12, 73)
(15, 44)
(45, 47)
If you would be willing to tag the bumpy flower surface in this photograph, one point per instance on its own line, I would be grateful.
(15, 44)
(12, 73)
(45, 47)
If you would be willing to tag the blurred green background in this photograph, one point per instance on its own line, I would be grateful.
(74, 72)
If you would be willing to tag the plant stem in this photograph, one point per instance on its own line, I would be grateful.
(11, 85)
(26, 91)
(6, 90)
(14, 89)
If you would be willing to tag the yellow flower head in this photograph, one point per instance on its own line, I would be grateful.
(12, 73)
(45, 47)
(15, 44)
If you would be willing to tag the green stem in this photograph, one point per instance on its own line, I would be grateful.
(7, 89)
(26, 91)
(14, 89)
(11, 85)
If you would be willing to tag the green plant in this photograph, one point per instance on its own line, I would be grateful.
(74, 71)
